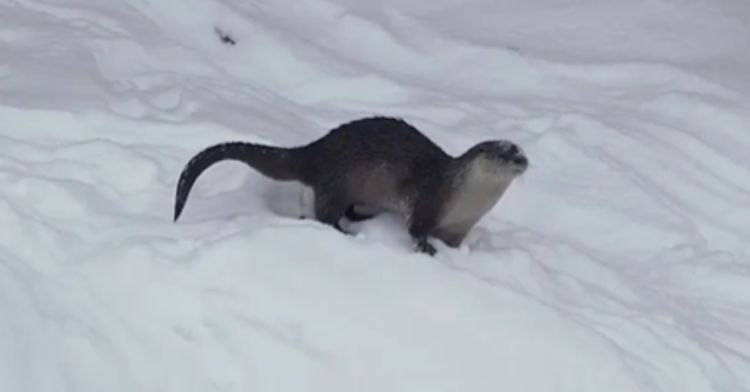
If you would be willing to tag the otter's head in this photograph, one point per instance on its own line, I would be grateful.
(497, 157)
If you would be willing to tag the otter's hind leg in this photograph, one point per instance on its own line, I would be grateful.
(330, 208)
(353, 215)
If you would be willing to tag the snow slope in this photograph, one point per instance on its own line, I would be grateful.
(619, 262)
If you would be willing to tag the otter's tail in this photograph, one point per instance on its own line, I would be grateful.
(274, 162)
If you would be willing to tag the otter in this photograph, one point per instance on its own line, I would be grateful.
(381, 164)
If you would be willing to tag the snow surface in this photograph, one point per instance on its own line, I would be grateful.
(619, 262)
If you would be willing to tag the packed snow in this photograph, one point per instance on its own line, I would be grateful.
(618, 262)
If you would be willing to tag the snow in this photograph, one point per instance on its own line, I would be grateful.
(618, 262)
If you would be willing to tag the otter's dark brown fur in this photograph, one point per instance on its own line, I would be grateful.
(386, 164)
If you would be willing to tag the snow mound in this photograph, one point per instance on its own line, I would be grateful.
(619, 262)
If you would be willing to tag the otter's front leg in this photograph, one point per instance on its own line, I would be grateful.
(421, 225)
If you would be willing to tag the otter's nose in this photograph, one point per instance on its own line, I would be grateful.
(520, 160)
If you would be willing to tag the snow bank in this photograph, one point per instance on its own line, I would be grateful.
(618, 262)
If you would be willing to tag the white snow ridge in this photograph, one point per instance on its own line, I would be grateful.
(618, 262)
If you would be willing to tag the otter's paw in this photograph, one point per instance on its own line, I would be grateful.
(423, 246)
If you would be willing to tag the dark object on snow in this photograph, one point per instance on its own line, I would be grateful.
(381, 163)
(225, 38)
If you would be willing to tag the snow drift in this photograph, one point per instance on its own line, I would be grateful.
(619, 262)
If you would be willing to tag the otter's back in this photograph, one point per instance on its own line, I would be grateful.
(375, 142)
(375, 159)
